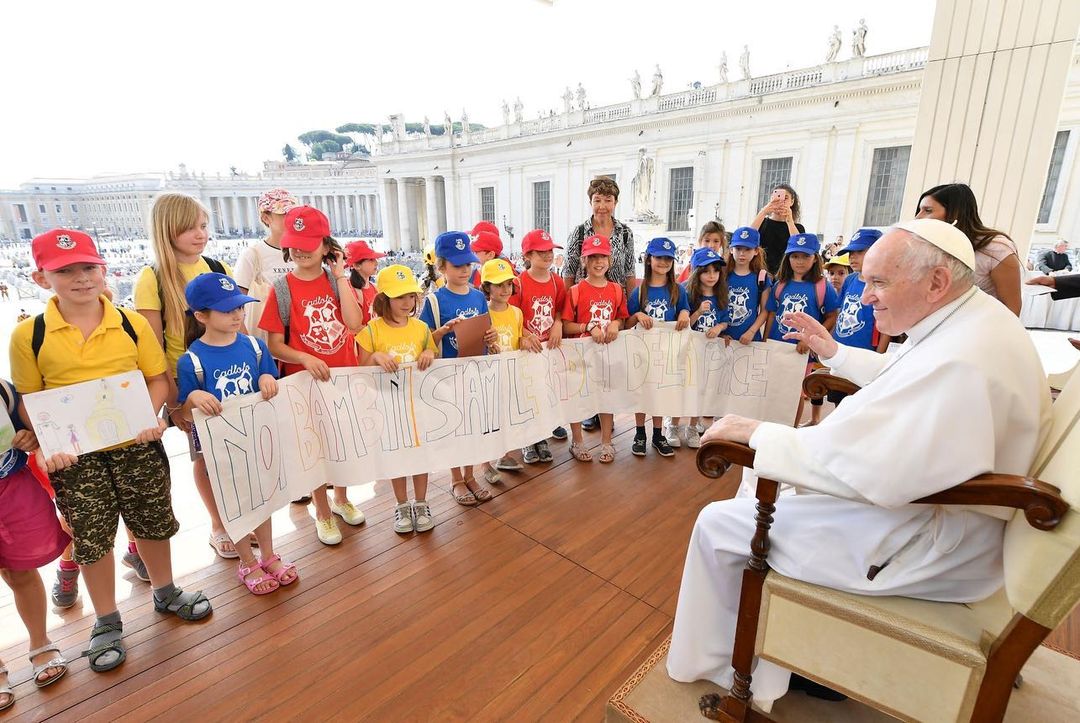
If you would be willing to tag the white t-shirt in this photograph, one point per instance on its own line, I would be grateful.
(260, 255)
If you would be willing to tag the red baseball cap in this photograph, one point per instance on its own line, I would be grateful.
(305, 228)
(62, 247)
(596, 245)
(359, 251)
(486, 241)
(484, 226)
(538, 240)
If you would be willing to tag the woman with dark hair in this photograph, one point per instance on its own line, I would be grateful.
(997, 265)
(776, 222)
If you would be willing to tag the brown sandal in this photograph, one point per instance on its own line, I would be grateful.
(480, 493)
(580, 452)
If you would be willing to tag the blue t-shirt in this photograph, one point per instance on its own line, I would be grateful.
(228, 371)
(717, 313)
(12, 460)
(453, 305)
(743, 302)
(799, 296)
(855, 322)
(658, 303)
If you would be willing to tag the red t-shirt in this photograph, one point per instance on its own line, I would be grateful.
(315, 323)
(366, 297)
(684, 275)
(541, 302)
(595, 303)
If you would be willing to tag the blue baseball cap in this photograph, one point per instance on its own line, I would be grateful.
(214, 291)
(803, 243)
(661, 246)
(861, 240)
(455, 247)
(746, 237)
(704, 257)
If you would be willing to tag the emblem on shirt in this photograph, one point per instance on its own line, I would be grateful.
(542, 318)
(792, 304)
(234, 381)
(707, 320)
(506, 338)
(848, 321)
(227, 284)
(462, 314)
(325, 334)
(600, 312)
(460, 245)
(402, 353)
(298, 224)
(657, 309)
(739, 303)
(64, 241)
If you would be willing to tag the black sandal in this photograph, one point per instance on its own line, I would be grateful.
(185, 611)
(94, 654)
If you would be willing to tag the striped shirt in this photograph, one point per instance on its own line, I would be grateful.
(622, 252)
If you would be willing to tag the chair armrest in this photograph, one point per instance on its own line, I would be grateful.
(715, 458)
(817, 384)
(1042, 503)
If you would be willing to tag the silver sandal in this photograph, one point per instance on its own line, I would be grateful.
(56, 662)
(7, 690)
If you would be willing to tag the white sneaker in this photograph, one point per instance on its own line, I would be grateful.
(328, 531)
(403, 518)
(423, 520)
(673, 436)
(693, 438)
(700, 427)
(348, 512)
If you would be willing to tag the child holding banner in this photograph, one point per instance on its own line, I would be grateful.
(393, 338)
(220, 364)
(443, 308)
(659, 298)
(497, 283)
(311, 316)
(541, 297)
(83, 337)
(708, 296)
(594, 307)
(748, 285)
(363, 261)
(801, 286)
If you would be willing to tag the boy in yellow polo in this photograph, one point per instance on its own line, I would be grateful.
(82, 337)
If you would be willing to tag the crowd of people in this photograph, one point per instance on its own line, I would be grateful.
(202, 329)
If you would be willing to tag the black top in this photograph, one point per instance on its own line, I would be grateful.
(1051, 260)
(774, 238)
(1068, 287)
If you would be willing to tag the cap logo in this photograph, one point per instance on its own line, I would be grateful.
(298, 224)
(596, 242)
(855, 236)
(544, 236)
(227, 285)
(667, 244)
(400, 275)
(801, 241)
(460, 245)
(64, 241)
(744, 234)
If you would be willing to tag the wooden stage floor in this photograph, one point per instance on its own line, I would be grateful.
(535, 605)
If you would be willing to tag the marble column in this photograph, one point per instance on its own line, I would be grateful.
(405, 222)
(388, 205)
(431, 193)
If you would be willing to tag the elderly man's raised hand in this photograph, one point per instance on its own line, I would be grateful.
(809, 330)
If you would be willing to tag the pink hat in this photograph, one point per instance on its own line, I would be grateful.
(277, 200)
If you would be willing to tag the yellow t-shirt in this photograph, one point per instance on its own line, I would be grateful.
(66, 358)
(147, 297)
(508, 325)
(403, 343)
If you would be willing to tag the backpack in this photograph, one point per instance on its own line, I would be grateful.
(284, 297)
(574, 294)
(819, 293)
(259, 289)
(762, 280)
(215, 266)
(37, 337)
(198, 367)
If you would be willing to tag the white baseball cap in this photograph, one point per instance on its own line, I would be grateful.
(945, 236)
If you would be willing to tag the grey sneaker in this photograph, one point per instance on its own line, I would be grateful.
(423, 520)
(132, 560)
(543, 451)
(530, 455)
(65, 590)
(509, 464)
(403, 518)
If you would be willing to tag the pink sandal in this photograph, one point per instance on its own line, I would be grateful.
(242, 572)
(281, 573)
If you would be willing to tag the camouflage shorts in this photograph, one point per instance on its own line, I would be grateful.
(131, 482)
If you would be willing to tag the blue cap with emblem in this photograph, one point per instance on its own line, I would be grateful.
(861, 240)
(214, 291)
(454, 246)
(661, 246)
(704, 257)
(746, 237)
(803, 243)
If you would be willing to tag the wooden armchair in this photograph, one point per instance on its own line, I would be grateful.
(915, 659)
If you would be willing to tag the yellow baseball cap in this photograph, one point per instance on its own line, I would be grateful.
(396, 280)
(496, 271)
(841, 260)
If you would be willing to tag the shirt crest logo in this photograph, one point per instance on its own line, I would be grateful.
(298, 224)
(64, 241)
(227, 284)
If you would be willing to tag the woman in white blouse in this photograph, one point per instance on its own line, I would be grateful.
(997, 265)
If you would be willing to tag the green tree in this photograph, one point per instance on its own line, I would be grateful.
(315, 137)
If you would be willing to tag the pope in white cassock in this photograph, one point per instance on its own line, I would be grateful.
(965, 395)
